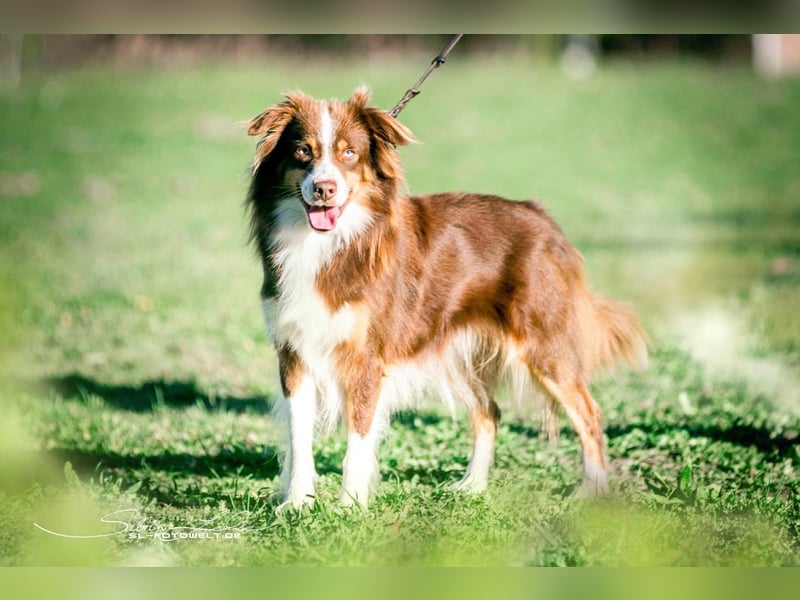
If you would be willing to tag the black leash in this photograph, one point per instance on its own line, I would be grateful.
(435, 64)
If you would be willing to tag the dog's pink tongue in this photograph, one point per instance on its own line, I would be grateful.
(323, 218)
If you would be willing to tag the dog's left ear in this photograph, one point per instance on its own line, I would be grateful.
(385, 126)
(386, 131)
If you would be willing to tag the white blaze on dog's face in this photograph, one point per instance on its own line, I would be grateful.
(329, 154)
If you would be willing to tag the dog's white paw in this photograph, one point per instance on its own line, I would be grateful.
(296, 501)
(470, 484)
(592, 488)
(353, 498)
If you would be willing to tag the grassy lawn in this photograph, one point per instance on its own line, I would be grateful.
(137, 379)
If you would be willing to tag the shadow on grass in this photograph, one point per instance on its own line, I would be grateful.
(774, 447)
(149, 395)
(442, 476)
(152, 468)
(177, 479)
(259, 464)
(412, 419)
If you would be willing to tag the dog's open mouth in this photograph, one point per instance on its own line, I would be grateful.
(323, 218)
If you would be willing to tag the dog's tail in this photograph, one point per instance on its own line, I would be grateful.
(611, 334)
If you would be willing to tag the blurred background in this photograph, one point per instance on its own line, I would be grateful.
(772, 54)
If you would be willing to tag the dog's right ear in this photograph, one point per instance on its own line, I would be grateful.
(270, 124)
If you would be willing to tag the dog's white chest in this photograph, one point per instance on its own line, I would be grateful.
(299, 317)
(308, 327)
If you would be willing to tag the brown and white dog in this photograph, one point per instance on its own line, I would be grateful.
(372, 296)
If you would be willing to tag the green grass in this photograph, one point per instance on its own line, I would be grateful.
(137, 375)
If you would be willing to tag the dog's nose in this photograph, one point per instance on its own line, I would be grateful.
(324, 190)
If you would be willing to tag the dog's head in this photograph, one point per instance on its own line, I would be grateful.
(327, 153)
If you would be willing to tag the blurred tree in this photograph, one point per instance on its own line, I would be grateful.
(65, 50)
(20, 52)
(11, 59)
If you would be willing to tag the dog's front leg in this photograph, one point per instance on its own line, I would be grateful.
(366, 420)
(298, 472)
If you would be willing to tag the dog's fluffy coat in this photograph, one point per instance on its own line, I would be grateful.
(372, 296)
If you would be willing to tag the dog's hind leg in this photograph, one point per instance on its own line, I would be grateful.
(485, 415)
(574, 397)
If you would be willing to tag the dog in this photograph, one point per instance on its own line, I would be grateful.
(373, 297)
